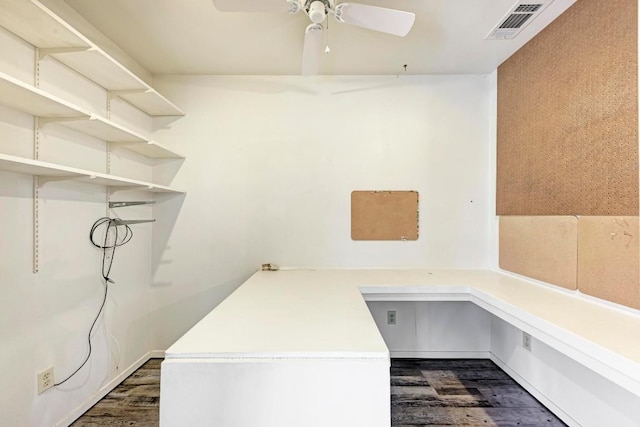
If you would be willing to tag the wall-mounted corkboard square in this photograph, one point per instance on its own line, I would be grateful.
(541, 247)
(384, 215)
(608, 258)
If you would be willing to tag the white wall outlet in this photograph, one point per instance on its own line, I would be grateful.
(391, 317)
(526, 341)
(45, 380)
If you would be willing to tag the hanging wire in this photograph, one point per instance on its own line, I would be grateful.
(107, 263)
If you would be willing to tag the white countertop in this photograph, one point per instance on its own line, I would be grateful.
(322, 314)
(292, 314)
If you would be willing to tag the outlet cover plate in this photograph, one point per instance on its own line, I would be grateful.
(45, 380)
(391, 317)
(526, 341)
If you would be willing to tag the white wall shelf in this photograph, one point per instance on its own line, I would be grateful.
(54, 172)
(35, 23)
(51, 109)
(149, 149)
(97, 127)
(97, 66)
(149, 101)
(31, 100)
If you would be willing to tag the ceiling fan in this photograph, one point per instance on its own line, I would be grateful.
(390, 21)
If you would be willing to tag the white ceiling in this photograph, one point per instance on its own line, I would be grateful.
(192, 37)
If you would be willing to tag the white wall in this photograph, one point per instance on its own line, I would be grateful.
(434, 329)
(305, 143)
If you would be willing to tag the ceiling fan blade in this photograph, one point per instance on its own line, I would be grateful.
(391, 21)
(312, 50)
(269, 6)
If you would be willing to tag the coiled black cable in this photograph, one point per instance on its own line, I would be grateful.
(106, 270)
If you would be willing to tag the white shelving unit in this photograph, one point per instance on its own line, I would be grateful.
(51, 109)
(36, 24)
(53, 172)
(52, 36)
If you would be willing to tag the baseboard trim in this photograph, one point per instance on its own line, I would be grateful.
(156, 354)
(441, 354)
(566, 418)
(102, 392)
(159, 354)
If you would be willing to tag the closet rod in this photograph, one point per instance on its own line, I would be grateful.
(118, 221)
(125, 204)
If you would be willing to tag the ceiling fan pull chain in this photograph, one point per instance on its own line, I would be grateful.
(327, 49)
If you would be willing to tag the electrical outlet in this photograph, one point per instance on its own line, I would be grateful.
(526, 341)
(45, 380)
(391, 317)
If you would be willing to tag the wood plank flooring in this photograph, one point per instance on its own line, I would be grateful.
(435, 392)
(135, 402)
(424, 392)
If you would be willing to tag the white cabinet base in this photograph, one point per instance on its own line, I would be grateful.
(275, 393)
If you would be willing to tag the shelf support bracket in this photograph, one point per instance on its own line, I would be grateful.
(36, 228)
(118, 93)
(44, 121)
(44, 52)
(36, 67)
(108, 169)
(42, 180)
(36, 180)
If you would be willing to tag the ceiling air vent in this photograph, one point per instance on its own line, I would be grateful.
(518, 17)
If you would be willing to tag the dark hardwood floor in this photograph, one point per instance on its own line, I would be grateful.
(469, 392)
(135, 402)
(424, 392)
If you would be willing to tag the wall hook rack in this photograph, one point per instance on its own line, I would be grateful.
(134, 203)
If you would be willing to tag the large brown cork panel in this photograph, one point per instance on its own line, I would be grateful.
(541, 247)
(568, 116)
(608, 259)
(384, 215)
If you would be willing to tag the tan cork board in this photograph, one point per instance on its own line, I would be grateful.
(609, 259)
(384, 215)
(541, 247)
(567, 130)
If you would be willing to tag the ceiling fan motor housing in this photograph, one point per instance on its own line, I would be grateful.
(317, 12)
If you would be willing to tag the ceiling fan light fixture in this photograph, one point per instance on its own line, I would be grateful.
(294, 7)
(338, 11)
(317, 12)
(375, 18)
